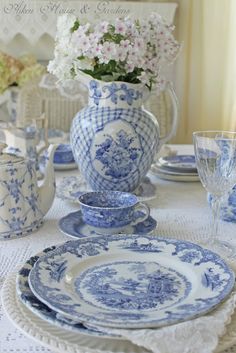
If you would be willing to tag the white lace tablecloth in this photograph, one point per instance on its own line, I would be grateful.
(179, 207)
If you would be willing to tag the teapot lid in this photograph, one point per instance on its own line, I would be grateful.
(7, 158)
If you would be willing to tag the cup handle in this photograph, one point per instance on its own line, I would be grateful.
(144, 208)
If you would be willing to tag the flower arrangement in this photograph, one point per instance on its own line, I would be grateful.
(133, 51)
(18, 72)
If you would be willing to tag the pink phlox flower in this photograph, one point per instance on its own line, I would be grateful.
(121, 53)
(120, 27)
(109, 50)
(102, 27)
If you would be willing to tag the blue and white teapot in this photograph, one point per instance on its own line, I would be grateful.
(23, 203)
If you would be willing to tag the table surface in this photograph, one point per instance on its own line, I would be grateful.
(180, 209)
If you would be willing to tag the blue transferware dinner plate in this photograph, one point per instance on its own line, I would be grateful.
(43, 311)
(131, 281)
(74, 226)
(184, 163)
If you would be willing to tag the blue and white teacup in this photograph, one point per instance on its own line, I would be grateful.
(112, 211)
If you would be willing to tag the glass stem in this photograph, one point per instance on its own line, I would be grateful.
(216, 203)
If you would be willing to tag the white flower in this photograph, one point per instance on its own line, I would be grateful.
(129, 67)
(139, 45)
(84, 44)
(84, 64)
(147, 45)
(64, 24)
(109, 50)
(102, 27)
(120, 27)
(121, 53)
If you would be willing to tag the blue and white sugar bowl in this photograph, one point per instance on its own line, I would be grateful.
(63, 154)
(228, 207)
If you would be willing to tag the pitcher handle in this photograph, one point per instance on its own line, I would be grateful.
(174, 101)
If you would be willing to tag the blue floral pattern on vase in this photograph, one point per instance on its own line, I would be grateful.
(114, 140)
(118, 156)
(115, 93)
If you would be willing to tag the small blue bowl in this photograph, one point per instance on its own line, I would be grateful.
(63, 154)
(228, 208)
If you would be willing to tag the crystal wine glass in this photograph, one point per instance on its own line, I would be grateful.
(215, 153)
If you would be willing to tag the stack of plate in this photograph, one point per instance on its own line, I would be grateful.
(176, 168)
(90, 286)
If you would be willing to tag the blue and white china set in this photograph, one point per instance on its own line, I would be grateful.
(115, 273)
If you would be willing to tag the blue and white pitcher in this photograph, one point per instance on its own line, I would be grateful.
(114, 139)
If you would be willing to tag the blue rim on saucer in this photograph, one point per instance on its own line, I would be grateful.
(43, 311)
(74, 226)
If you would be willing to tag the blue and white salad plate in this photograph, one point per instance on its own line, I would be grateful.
(170, 175)
(71, 187)
(43, 311)
(131, 281)
(74, 226)
(184, 163)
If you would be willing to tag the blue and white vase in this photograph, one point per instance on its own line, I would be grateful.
(114, 139)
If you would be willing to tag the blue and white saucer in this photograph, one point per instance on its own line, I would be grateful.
(184, 163)
(74, 226)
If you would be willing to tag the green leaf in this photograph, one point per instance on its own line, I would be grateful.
(82, 57)
(76, 26)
